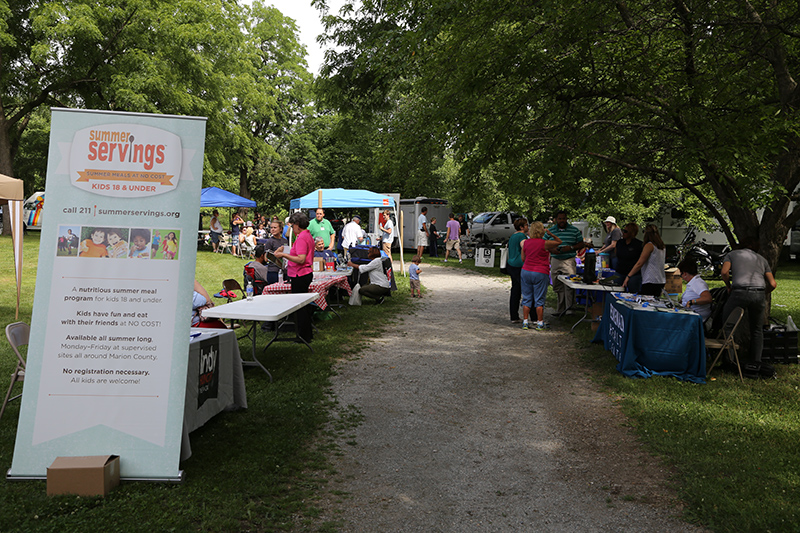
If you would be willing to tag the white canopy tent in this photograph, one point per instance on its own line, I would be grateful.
(13, 194)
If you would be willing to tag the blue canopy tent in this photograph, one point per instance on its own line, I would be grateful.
(342, 198)
(215, 197)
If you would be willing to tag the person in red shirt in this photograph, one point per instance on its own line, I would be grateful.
(299, 269)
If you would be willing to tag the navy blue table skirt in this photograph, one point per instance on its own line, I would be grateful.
(648, 343)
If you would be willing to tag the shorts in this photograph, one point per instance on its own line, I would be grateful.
(215, 237)
(414, 284)
(422, 238)
(453, 244)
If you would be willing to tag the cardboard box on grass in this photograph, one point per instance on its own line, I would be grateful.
(93, 475)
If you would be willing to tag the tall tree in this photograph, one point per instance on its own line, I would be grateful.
(622, 98)
(270, 91)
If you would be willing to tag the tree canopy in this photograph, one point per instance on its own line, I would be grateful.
(606, 103)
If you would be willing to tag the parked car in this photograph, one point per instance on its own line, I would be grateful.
(494, 226)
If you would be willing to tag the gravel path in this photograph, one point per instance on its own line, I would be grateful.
(472, 424)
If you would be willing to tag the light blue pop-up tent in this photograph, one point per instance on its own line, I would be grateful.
(215, 197)
(330, 198)
(353, 198)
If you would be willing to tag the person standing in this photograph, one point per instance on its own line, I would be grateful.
(352, 234)
(749, 279)
(236, 228)
(514, 265)
(215, 230)
(464, 226)
(422, 231)
(322, 227)
(387, 232)
(413, 277)
(535, 268)
(562, 259)
(299, 269)
(453, 238)
(613, 234)
(433, 249)
(629, 249)
(651, 263)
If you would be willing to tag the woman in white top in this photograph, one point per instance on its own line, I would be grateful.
(696, 297)
(651, 263)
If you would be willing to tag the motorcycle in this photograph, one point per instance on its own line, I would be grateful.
(708, 261)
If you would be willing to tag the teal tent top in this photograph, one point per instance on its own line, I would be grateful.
(215, 197)
(342, 198)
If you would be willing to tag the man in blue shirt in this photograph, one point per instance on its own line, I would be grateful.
(562, 260)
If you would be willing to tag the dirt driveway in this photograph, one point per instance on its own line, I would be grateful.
(472, 424)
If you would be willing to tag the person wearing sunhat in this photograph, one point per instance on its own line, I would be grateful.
(613, 234)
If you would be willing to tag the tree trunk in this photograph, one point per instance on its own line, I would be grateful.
(244, 189)
(6, 166)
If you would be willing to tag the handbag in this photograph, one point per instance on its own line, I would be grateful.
(504, 260)
(355, 298)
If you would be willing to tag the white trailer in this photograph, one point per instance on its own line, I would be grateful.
(411, 209)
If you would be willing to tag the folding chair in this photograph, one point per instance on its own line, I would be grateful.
(223, 244)
(17, 334)
(247, 250)
(725, 341)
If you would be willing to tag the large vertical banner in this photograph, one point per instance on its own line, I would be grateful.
(109, 346)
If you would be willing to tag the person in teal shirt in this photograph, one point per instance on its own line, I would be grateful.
(562, 260)
(321, 227)
(514, 266)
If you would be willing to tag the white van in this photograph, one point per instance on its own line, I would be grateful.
(32, 211)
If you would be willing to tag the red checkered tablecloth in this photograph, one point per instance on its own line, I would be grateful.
(320, 286)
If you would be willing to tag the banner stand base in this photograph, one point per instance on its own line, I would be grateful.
(177, 479)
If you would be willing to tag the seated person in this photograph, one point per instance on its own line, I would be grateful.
(320, 251)
(260, 272)
(379, 285)
(274, 242)
(696, 297)
(201, 300)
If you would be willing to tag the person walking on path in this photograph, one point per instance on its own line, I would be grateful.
(452, 237)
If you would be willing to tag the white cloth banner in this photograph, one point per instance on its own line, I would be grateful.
(109, 344)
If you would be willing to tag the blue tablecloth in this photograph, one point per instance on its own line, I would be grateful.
(648, 343)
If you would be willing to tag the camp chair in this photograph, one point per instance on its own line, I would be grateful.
(725, 340)
(17, 334)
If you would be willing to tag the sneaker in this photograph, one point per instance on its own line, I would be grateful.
(525, 324)
(379, 301)
(445, 261)
(542, 326)
(459, 261)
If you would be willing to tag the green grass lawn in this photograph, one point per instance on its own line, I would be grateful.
(733, 445)
(250, 470)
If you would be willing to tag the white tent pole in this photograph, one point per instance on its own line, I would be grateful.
(400, 226)
(15, 214)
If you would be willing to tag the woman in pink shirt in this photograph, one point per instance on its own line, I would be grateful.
(535, 275)
(299, 268)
